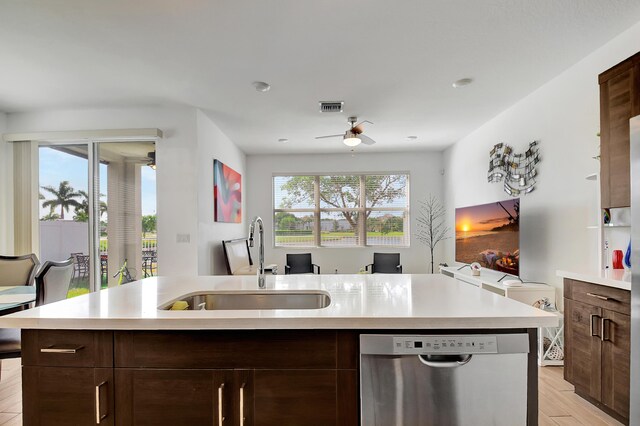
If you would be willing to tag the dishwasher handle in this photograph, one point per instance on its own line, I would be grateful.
(444, 361)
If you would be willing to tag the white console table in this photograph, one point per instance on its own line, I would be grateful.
(527, 293)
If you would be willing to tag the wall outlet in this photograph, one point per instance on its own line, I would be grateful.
(183, 238)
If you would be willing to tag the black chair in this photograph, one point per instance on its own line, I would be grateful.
(385, 263)
(53, 280)
(18, 270)
(10, 344)
(300, 264)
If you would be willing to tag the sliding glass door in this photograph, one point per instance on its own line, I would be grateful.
(128, 241)
(97, 205)
(64, 225)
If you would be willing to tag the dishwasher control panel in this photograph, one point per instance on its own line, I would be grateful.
(470, 344)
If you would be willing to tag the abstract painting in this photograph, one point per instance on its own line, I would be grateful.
(227, 193)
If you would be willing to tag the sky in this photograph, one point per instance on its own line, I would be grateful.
(56, 166)
(483, 217)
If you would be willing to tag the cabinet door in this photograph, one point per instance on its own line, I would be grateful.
(174, 397)
(295, 397)
(582, 328)
(615, 361)
(67, 396)
(617, 97)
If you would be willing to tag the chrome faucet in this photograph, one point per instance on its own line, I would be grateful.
(258, 220)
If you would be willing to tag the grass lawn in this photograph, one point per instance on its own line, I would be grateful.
(331, 236)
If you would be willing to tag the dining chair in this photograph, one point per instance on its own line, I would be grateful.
(300, 264)
(18, 270)
(385, 263)
(53, 280)
(238, 258)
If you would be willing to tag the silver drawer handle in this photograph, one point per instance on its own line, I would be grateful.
(220, 417)
(59, 350)
(99, 417)
(242, 417)
(600, 296)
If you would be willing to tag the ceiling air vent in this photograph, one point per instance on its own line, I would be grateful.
(331, 106)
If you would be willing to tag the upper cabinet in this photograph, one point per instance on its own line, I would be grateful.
(619, 101)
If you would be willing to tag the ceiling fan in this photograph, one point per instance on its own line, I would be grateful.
(353, 136)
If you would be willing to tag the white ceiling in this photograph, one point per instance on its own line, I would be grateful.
(391, 62)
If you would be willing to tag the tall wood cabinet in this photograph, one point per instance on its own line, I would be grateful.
(619, 101)
(597, 351)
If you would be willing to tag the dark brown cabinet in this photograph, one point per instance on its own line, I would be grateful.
(67, 377)
(221, 378)
(597, 351)
(619, 101)
(67, 396)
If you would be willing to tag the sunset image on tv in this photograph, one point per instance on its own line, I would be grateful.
(489, 234)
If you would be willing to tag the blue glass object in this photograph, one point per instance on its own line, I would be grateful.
(627, 256)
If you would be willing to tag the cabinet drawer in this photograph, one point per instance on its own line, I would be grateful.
(611, 298)
(283, 349)
(67, 348)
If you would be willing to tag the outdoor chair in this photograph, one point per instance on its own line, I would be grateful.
(81, 265)
(18, 270)
(385, 263)
(53, 280)
(300, 264)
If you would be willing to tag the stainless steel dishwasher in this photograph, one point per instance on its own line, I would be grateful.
(441, 380)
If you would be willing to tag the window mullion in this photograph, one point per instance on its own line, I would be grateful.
(316, 212)
(362, 223)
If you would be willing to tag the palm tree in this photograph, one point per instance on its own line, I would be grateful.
(64, 197)
(82, 211)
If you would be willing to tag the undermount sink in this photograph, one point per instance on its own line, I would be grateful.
(254, 300)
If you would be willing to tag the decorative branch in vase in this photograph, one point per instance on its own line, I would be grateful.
(431, 225)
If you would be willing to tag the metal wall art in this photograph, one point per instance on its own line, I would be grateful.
(518, 171)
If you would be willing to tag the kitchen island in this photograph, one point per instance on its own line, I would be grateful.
(114, 357)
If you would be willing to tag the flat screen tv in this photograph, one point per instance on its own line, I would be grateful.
(489, 234)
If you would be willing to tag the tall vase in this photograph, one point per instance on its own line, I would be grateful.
(627, 256)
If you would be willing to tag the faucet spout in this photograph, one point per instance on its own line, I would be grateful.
(258, 220)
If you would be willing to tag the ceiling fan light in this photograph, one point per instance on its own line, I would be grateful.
(351, 141)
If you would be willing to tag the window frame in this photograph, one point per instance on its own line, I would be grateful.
(362, 209)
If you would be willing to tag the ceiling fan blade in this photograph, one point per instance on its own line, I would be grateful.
(330, 136)
(358, 127)
(366, 140)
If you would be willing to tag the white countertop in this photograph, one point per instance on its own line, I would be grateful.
(357, 302)
(618, 278)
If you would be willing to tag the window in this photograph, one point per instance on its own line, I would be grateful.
(342, 210)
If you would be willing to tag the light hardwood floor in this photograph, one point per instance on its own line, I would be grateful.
(558, 404)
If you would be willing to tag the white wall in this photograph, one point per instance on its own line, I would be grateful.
(213, 144)
(564, 115)
(425, 178)
(6, 193)
(177, 174)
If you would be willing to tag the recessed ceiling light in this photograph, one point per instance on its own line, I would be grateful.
(261, 86)
(283, 140)
(462, 82)
(412, 138)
